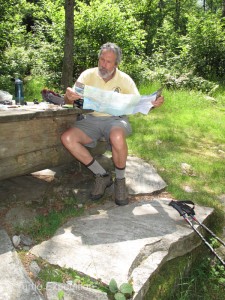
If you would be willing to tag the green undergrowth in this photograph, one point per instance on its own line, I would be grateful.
(53, 273)
(45, 225)
(195, 276)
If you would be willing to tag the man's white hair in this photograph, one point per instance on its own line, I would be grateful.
(114, 48)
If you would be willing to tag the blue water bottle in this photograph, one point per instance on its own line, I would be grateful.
(19, 91)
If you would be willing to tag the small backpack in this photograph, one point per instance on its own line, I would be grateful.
(52, 97)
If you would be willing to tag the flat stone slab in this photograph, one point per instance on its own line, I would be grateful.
(142, 178)
(14, 282)
(123, 243)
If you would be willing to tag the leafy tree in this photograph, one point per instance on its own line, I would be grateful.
(13, 43)
(212, 5)
(8, 20)
(12, 28)
(206, 45)
(166, 47)
(150, 14)
(102, 22)
(178, 36)
(31, 39)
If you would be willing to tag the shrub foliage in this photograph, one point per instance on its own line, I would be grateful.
(173, 39)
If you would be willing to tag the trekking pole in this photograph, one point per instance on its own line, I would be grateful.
(190, 212)
(183, 213)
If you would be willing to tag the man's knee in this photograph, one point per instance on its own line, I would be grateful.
(70, 136)
(75, 135)
(118, 138)
(65, 138)
(117, 134)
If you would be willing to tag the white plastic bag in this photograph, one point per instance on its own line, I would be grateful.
(5, 97)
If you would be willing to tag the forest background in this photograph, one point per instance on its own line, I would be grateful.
(179, 43)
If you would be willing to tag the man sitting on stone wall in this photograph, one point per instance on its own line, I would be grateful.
(95, 125)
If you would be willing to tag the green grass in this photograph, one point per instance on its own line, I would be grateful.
(188, 128)
(194, 276)
(51, 273)
(44, 226)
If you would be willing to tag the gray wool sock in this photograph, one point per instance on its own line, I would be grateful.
(120, 172)
(96, 168)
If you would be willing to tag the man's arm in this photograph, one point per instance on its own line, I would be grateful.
(70, 96)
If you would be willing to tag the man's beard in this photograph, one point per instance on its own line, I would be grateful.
(104, 73)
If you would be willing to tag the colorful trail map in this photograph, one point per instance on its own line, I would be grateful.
(114, 103)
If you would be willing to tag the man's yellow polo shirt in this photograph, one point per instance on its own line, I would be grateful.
(121, 83)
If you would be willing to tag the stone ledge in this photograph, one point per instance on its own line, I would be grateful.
(14, 283)
(124, 243)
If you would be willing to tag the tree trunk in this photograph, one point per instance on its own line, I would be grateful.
(67, 70)
(223, 9)
(177, 16)
(204, 5)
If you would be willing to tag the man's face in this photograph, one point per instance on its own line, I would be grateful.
(107, 64)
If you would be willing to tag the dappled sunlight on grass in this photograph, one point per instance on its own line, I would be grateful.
(189, 129)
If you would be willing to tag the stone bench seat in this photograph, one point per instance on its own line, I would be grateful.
(30, 139)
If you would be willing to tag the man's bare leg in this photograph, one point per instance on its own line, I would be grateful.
(74, 140)
(119, 147)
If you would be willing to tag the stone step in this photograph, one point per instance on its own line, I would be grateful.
(14, 281)
(124, 243)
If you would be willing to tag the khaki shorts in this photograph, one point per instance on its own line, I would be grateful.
(99, 127)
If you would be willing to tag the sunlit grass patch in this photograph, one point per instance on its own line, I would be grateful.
(189, 129)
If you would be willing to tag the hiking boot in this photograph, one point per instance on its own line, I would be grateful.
(121, 197)
(101, 183)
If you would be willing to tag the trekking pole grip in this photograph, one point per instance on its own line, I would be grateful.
(177, 207)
